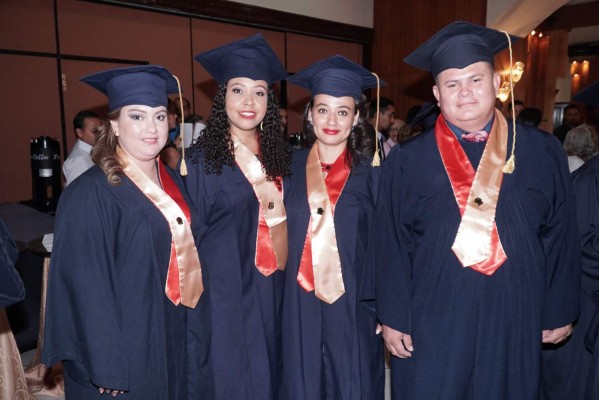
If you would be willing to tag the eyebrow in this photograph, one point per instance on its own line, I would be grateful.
(245, 86)
(328, 106)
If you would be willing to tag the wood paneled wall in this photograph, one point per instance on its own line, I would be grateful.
(399, 28)
(47, 45)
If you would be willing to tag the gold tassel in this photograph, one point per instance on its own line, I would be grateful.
(376, 160)
(183, 168)
(510, 165)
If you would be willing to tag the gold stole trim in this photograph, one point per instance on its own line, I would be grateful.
(190, 271)
(477, 243)
(271, 204)
(326, 263)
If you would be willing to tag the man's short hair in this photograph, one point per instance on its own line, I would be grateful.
(516, 103)
(384, 103)
(79, 120)
(570, 107)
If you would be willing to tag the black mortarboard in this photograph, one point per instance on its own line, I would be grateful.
(427, 116)
(146, 85)
(251, 58)
(458, 45)
(589, 95)
(336, 76)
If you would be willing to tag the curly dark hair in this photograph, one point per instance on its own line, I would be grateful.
(217, 147)
(104, 152)
(361, 139)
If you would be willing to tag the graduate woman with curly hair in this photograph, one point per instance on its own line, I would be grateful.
(234, 181)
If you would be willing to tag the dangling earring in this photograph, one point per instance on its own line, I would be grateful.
(261, 126)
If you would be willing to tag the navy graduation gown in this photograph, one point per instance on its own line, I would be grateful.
(107, 315)
(475, 336)
(586, 186)
(233, 333)
(331, 351)
(11, 286)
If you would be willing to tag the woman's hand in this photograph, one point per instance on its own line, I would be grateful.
(110, 391)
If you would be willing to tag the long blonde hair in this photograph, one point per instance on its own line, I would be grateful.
(104, 152)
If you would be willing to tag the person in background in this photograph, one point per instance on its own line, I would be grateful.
(386, 117)
(283, 116)
(571, 120)
(170, 154)
(476, 250)
(530, 116)
(580, 146)
(330, 346)
(394, 132)
(123, 260)
(80, 159)
(518, 107)
(234, 181)
(12, 378)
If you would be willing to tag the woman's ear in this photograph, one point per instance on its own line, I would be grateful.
(114, 125)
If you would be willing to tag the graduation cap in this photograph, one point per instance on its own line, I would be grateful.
(339, 77)
(427, 116)
(146, 85)
(589, 95)
(336, 76)
(458, 45)
(251, 58)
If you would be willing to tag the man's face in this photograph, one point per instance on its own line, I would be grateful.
(467, 96)
(572, 117)
(87, 134)
(386, 118)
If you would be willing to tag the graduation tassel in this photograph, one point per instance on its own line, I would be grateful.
(376, 159)
(510, 164)
(183, 167)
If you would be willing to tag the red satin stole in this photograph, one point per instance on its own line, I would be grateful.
(173, 290)
(266, 261)
(335, 182)
(461, 174)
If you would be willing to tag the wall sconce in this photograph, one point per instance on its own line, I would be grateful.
(517, 71)
(504, 91)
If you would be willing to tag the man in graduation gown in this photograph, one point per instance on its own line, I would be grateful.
(476, 258)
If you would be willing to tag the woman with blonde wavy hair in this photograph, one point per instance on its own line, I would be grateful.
(123, 258)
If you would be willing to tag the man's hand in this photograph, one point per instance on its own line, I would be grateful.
(558, 335)
(398, 343)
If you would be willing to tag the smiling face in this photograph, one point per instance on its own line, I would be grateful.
(467, 96)
(333, 118)
(245, 103)
(142, 131)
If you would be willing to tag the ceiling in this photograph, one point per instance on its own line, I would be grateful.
(579, 34)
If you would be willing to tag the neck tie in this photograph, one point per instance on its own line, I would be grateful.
(477, 136)
(381, 150)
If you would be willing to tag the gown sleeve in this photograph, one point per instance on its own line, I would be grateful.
(391, 251)
(83, 308)
(562, 247)
(586, 187)
(11, 285)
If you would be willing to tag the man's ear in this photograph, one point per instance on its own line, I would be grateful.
(436, 92)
